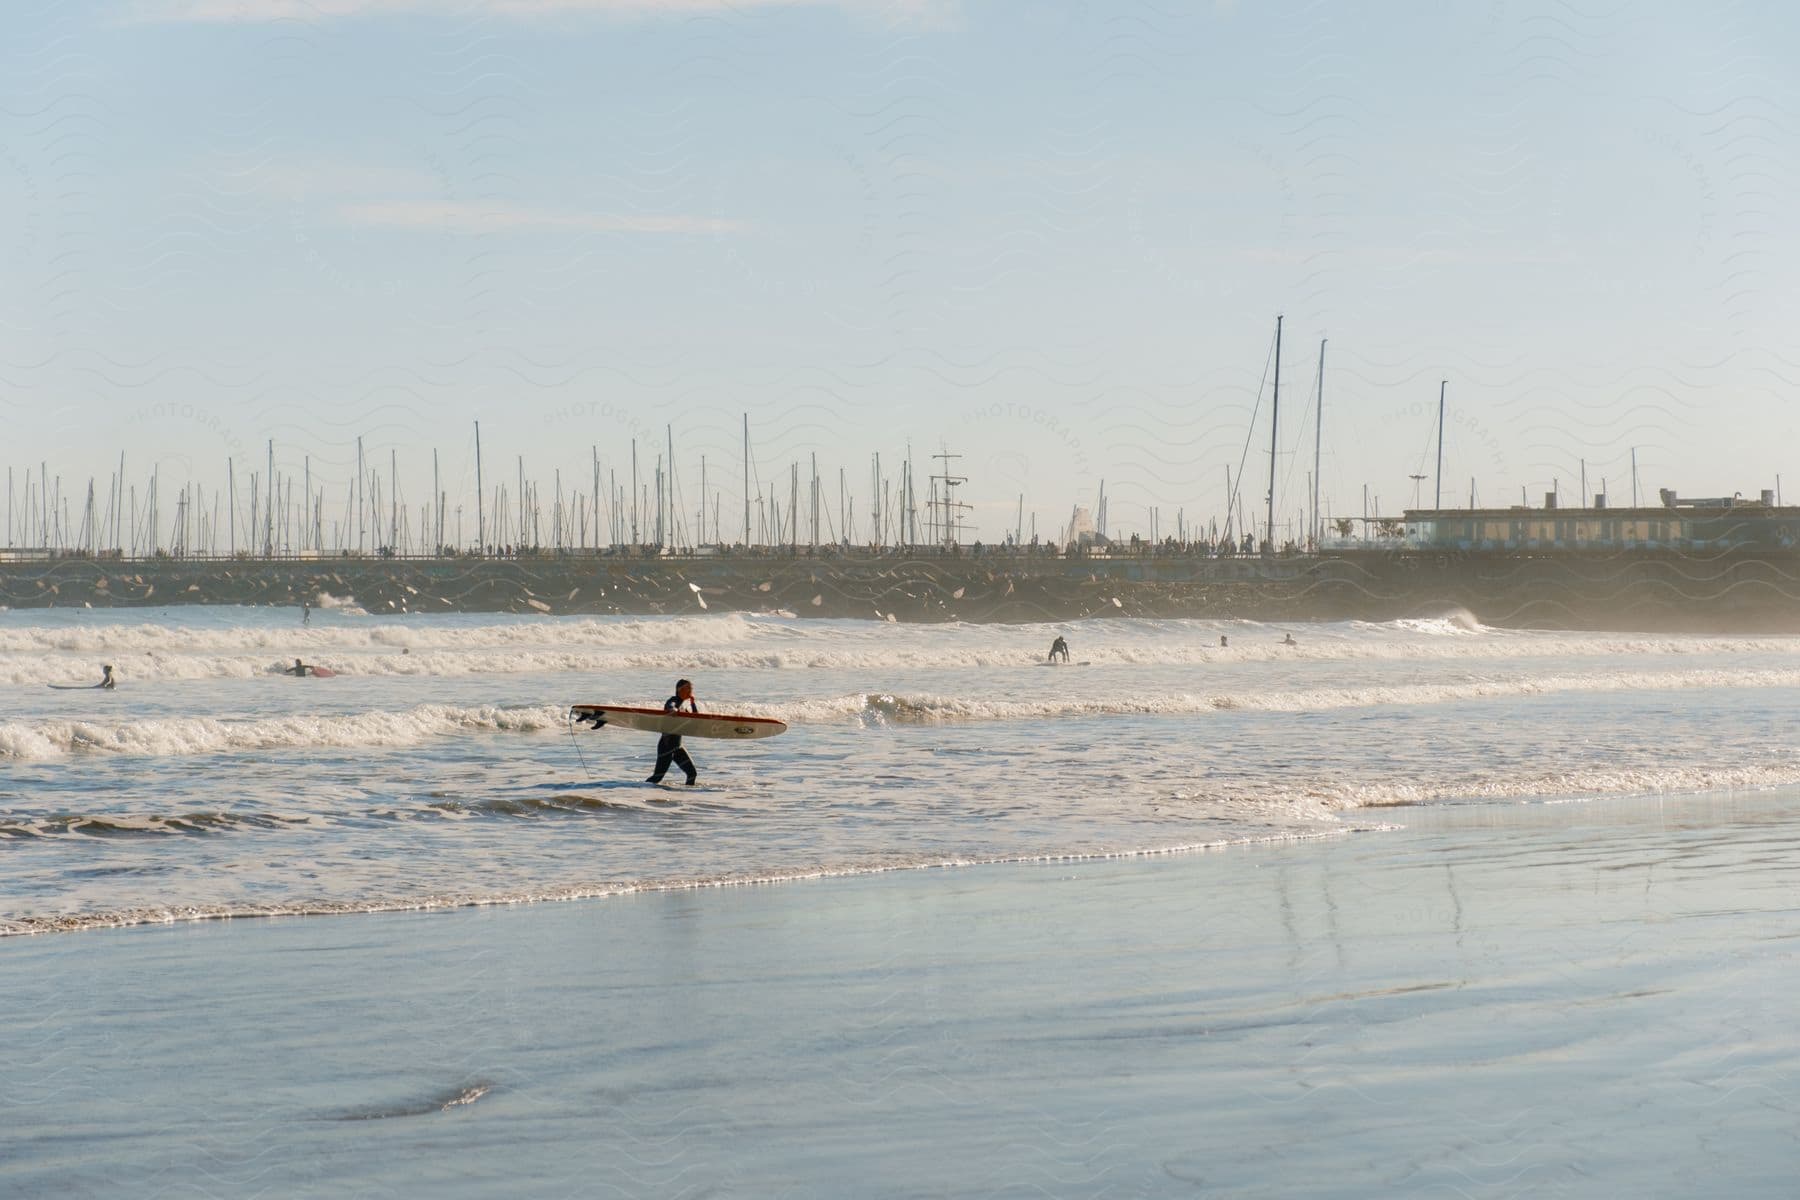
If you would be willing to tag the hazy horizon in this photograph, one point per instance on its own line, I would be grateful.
(1052, 238)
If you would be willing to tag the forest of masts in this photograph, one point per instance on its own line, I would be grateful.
(634, 505)
(276, 514)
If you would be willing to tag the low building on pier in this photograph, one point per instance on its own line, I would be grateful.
(1719, 523)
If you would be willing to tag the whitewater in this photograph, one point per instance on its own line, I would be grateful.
(438, 766)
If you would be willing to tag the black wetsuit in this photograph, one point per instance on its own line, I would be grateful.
(668, 746)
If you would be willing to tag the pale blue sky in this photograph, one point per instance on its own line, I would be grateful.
(1054, 236)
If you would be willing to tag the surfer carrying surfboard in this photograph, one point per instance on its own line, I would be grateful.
(668, 746)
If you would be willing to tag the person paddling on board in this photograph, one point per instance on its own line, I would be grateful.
(668, 746)
(1289, 640)
(1059, 648)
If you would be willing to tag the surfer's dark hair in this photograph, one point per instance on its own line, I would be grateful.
(681, 683)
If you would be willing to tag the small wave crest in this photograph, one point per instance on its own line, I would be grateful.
(1458, 622)
(880, 708)
(31, 655)
(1321, 797)
(171, 736)
(346, 605)
(126, 825)
(124, 640)
(175, 913)
(201, 824)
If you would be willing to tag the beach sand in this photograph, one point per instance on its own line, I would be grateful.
(1574, 1000)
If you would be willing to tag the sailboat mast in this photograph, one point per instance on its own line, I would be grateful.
(1438, 502)
(1318, 442)
(1274, 427)
(480, 501)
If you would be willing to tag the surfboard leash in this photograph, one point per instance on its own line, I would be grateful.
(576, 739)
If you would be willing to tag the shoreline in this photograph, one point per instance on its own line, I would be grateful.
(1572, 999)
(1397, 818)
(78, 923)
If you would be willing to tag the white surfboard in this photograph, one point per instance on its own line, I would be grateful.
(655, 720)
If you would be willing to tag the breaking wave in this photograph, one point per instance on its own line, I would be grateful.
(34, 655)
(372, 635)
(173, 736)
(170, 736)
(887, 708)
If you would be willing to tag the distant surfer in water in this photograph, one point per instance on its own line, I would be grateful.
(106, 682)
(299, 668)
(668, 746)
(305, 613)
(1289, 640)
(1224, 641)
(1059, 648)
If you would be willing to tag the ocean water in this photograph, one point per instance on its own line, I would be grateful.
(438, 766)
(1497, 1000)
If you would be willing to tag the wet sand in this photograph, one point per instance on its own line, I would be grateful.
(1577, 1000)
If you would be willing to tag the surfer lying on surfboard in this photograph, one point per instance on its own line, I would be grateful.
(106, 682)
(668, 746)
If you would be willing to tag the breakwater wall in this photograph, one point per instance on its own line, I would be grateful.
(1725, 592)
(904, 587)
